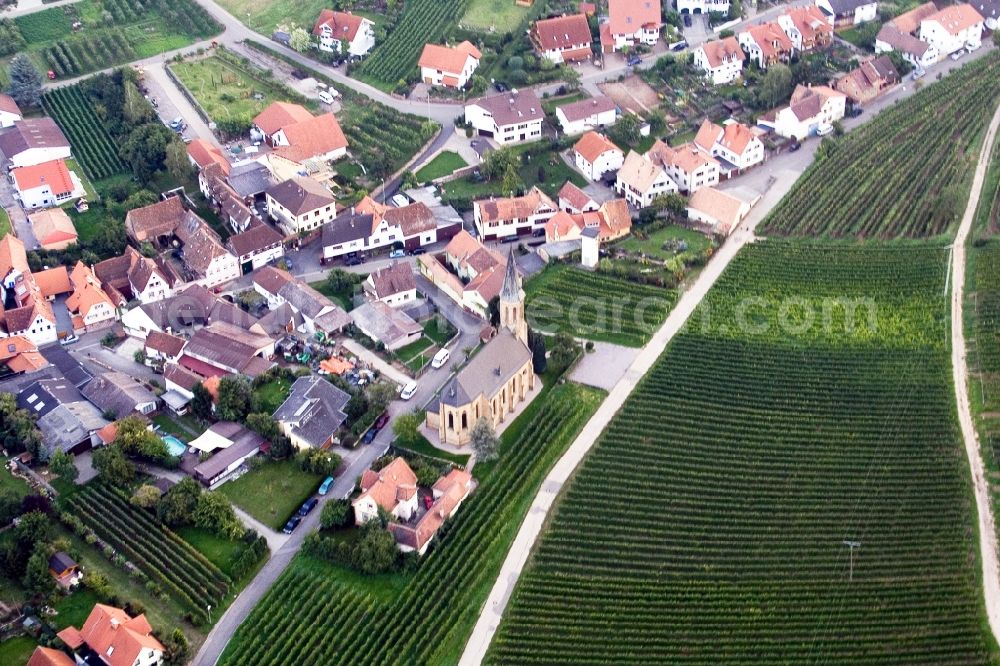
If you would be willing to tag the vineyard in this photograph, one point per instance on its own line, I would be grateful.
(429, 620)
(382, 138)
(93, 147)
(708, 524)
(597, 307)
(158, 553)
(903, 174)
(422, 22)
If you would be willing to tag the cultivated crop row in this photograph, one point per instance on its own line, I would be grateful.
(92, 146)
(708, 525)
(422, 22)
(903, 174)
(382, 138)
(442, 599)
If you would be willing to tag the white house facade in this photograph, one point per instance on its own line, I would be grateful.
(953, 28)
(721, 60)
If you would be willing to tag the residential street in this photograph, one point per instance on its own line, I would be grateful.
(172, 103)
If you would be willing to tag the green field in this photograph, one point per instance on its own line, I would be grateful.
(271, 394)
(223, 90)
(653, 245)
(16, 651)
(272, 492)
(444, 164)
(428, 620)
(568, 299)
(500, 16)
(707, 524)
(906, 173)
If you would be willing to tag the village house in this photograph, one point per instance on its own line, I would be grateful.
(413, 225)
(393, 489)
(227, 203)
(703, 6)
(467, 272)
(641, 180)
(222, 348)
(734, 145)
(118, 394)
(631, 22)
(334, 30)
(807, 27)
(690, 168)
(300, 204)
(155, 223)
(46, 184)
(53, 228)
(312, 413)
(114, 637)
(393, 285)
(90, 306)
(808, 108)
(766, 44)
(845, 13)
(163, 348)
(900, 34)
(18, 355)
(10, 113)
(135, 277)
(299, 136)
(33, 141)
(319, 313)
(721, 60)
(612, 221)
(203, 154)
(562, 39)
(869, 80)
(587, 114)
(206, 261)
(496, 379)
(64, 570)
(386, 325)
(66, 420)
(507, 118)
(953, 28)
(448, 66)
(183, 310)
(231, 445)
(25, 308)
(574, 200)
(990, 11)
(595, 155)
(257, 246)
(717, 209)
(512, 216)
(43, 656)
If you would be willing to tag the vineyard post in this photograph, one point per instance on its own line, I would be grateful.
(851, 545)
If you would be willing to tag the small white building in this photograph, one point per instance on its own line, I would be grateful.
(450, 67)
(807, 110)
(687, 166)
(702, 6)
(766, 44)
(257, 246)
(9, 111)
(562, 39)
(508, 118)
(640, 181)
(46, 184)
(953, 28)
(631, 22)
(590, 247)
(513, 216)
(721, 60)
(334, 29)
(587, 114)
(733, 143)
(394, 285)
(595, 155)
(843, 13)
(33, 141)
(717, 209)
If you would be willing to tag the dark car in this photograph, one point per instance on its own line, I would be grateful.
(370, 436)
(382, 421)
(687, 20)
(307, 506)
(356, 260)
(292, 523)
(500, 86)
(855, 112)
(795, 146)
(679, 46)
(419, 251)
(634, 60)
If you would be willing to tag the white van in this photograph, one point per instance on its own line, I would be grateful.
(408, 391)
(325, 97)
(823, 129)
(440, 358)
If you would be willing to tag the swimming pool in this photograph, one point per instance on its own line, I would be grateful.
(175, 447)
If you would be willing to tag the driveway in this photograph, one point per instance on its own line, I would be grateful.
(172, 103)
(18, 218)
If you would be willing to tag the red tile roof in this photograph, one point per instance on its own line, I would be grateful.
(448, 59)
(722, 49)
(343, 24)
(54, 174)
(627, 17)
(313, 137)
(8, 104)
(204, 153)
(111, 633)
(561, 33)
(43, 656)
(956, 18)
(592, 145)
(280, 114)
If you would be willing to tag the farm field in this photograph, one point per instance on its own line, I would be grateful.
(421, 22)
(428, 620)
(708, 523)
(923, 152)
(566, 299)
(111, 32)
(93, 147)
(162, 556)
(444, 164)
(498, 16)
(224, 91)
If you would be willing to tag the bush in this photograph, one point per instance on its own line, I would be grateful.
(336, 514)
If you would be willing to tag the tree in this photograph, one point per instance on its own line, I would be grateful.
(25, 82)
(177, 506)
(375, 551)
(484, 440)
(496, 162)
(300, 41)
(235, 395)
(775, 86)
(380, 395)
(136, 109)
(319, 461)
(265, 426)
(37, 579)
(735, 10)
(339, 280)
(139, 356)
(672, 203)
(625, 132)
(177, 162)
(136, 441)
(214, 512)
(405, 427)
(61, 464)
(18, 431)
(146, 496)
(536, 343)
(511, 181)
(146, 149)
(10, 503)
(201, 403)
(178, 650)
(336, 513)
(113, 467)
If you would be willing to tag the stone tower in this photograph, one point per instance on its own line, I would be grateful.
(512, 315)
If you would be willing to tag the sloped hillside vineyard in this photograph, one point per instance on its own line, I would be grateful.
(711, 522)
(92, 145)
(905, 173)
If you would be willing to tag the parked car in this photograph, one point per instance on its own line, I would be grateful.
(428, 502)
(823, 129)
(356, 260)
(70, 339)
(855, 112)
(957, 54)
(419, 250)
(307, 507)
(918, 73)
(324, 487)
(325, 97)
(795, 146)
(408, 391)
(370, 435)
(400, 200)
(634, 60)
(687, 20)
(397, 254)
(292, 523)
(440, 358)
(679, 46)
(382, 421)
(500, 86)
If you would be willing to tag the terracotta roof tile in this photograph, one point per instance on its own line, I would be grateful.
(627, 17)
(344, 25)
(561, 33)
(592, 145)
(280, 114)
(448, 59)
(55, 174)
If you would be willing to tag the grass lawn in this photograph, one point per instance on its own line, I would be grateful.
(494, 15)
(417, 363)
(74, 609)
(653, 246)
(438, 330)
(88, 186)
(853, 35)
(4, 223)
(8, 480)
(411, 350)
(218, 550)
(16, 651)
(552, 103)
(444, 164)
(425, 448)
(343, 297)
(222, 90)
(272, 492)
(182, 427)
(265, 15)
(272, 394)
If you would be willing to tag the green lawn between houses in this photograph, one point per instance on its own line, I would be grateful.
(223, 90)
(446, 163)
(16, 651)
(500, 16)
(653, 246)
(272, 492)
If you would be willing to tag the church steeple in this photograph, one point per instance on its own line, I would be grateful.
(512, 316)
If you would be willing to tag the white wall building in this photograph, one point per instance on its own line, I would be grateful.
(848, 12)
(595, 155)
(953, 28)
(451, 67)
(587, 114)
(508, 117)
(640, 181)
(808, 109)
(333, 29)
(721, 60)
(702, 6)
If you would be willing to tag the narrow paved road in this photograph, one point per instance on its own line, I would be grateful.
(960, 369)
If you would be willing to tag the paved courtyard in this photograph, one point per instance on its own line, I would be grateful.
(605, 366)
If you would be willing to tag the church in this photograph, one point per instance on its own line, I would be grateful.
(496, 380)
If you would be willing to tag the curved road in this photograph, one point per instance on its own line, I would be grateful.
(960, 370)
